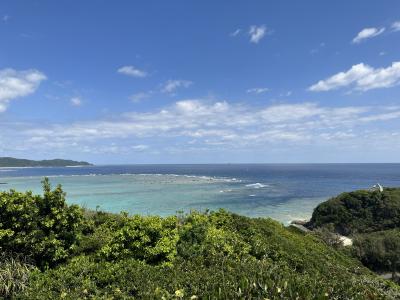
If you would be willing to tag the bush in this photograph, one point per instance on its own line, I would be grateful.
(380, 251)
(204, 236)
(328, 235)
(216, 255)
(359, 212)
(246, 278)
(14, 274)
(212, 255)
(44, 227)
(149, 239)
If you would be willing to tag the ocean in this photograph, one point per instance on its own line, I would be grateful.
(281, 191)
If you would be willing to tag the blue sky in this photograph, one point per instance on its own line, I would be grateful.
(200, 81)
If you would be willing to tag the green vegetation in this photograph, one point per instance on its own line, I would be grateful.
(14, 274)
(359, 212)
(8, 162)
(60, 251)
(379, 251)
(372, 218)
(44, 227)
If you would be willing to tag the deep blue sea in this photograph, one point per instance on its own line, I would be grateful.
(280, 191)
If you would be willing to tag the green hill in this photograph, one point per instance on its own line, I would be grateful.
(372, 219)
(8, 162)
(58, 251)
(359, 211)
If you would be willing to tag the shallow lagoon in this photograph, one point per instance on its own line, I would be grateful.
(283, 192)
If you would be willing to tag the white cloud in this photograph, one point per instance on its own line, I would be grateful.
(15, 84)
(76, 101)
(140, 148)
(259, 90)
(382, 116)
(235, 33)
(257, 33)
(218, 120)
(172, 85)
(367, 33)
(200, 125)
(290, 112)
(6, 18)
(396, 26)
(362, 77)
(132, 71)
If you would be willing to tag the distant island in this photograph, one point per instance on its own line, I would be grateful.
(9, 162)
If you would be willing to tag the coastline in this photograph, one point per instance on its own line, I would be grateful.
(284, 193)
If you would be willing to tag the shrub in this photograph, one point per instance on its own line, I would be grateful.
(379, 251)
(44, 227)
(149, 239)
(328, 235)
(359, 211)
(85, 278)
(204, 236)
(14, 274)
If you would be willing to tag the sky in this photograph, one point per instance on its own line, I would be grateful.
(115, 82)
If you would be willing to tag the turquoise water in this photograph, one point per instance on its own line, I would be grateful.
(282, 192)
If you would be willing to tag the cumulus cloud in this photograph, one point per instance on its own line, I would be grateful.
(362, 77)
(257, 33)
(15, 84)
(260, 90)
(209, 123)
(396, 26)
(132, 71)
(172, 85)
(202, 127)
(367, 33)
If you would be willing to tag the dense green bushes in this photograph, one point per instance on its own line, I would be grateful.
(229, 279)
(372, 218)
(148, 239)
(218, 256)
(359, 212)
(212, 255)
(41, 227)
(14, 274)
(380, 251)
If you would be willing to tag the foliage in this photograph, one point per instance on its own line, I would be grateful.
(201, 235)
(247, 278)
(218, 255)
(44, 227)
(14, 274)
(380, 251)
(359, 212)
(149, 239)
(328, 235)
